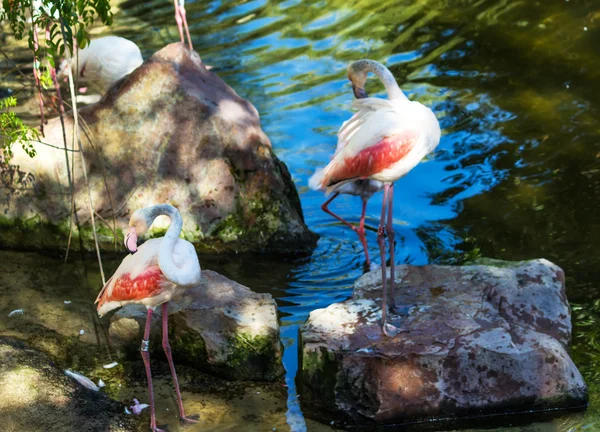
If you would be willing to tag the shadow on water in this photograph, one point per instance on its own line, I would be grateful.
(516, 175)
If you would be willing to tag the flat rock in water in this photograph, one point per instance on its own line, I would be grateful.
(38, 396)
(219, 326)
(478, 339)
(171, 131)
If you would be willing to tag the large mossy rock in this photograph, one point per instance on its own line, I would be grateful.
(37, 396)
(170, 132)
(219, 326)
(480, 339)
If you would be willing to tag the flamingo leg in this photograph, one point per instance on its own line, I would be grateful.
(146, 358)
(185, 25)
(360, 230)
(167, 348)
(381, 242)
(390, 233)
(179, 20)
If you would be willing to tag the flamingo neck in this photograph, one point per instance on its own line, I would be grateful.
(387, 79)
(171, 271)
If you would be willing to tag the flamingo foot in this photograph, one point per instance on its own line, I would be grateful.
(191, 419)
(391, 330)
(156, 429)
(395, 319)
(401, 310)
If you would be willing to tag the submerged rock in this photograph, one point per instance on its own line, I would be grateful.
(219, 326)
(172, 132)
(478, 340)
(38, 396)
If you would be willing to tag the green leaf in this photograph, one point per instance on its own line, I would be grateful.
(13, 130)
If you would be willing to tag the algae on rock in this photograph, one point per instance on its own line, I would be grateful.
(219, 326)
(191, 142)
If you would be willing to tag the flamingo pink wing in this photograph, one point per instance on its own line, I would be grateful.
(146, 284)
(371, 160)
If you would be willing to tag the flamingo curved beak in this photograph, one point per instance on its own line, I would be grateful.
(359, 92)
(131, 240)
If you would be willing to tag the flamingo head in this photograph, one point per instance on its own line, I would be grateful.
(138, 225)
(357, 74)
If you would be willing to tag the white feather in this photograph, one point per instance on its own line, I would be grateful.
(105, 61)
(16, 312)
(314, 182)
(83, 380)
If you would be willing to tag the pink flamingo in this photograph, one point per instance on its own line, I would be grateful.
(161, 269)
(362, 188)
(180, 18)
(384, 140)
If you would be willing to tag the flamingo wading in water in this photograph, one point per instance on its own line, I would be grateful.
(385, 139)
(161, 269)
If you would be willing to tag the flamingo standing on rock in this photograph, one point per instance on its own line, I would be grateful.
(384, 140)
(160, 270)
(362, 188)
(180, 18)
(104, 62)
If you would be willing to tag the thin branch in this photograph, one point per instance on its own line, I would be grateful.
(61, 113)
(105, 222)
(16, 67)
(53, 146)
(105, 179)
(36, 70)
(81, 154)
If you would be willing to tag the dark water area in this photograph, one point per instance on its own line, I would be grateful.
(516, 88)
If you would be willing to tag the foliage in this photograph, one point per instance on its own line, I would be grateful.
(66, 23)
(46, 79)
(13, 130)
(71, 16)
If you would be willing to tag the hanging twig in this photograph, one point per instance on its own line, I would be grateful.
(105, 179)
(72, 213)
(61, 113)
(81, 154)
(36, 70)
(52, 146)
(15, 65)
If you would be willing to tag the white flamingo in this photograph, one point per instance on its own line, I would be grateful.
(160, 270)
(384, 140)
(104, 62)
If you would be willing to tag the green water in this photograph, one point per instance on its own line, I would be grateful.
(515, 85)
